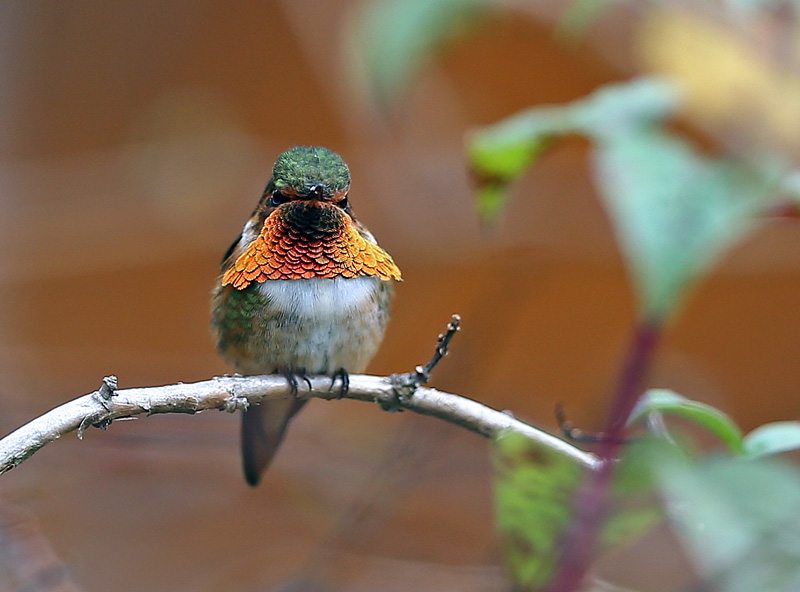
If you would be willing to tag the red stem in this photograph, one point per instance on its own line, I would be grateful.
(590, 501)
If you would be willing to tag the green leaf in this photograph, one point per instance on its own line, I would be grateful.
(579, 16)
(506, 149)
(673, 211)
(533, 491)
(749, 9)
(635, 508)
(617, 109)
(712, 419)
(490, 198)
(738, 518)
(500, 153)
(396, 38)
(773, 438)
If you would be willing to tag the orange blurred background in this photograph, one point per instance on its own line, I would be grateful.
(135, 138)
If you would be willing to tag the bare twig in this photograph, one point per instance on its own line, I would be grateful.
(230, 393)
(442, 348)
(406, 384)
(570, 432)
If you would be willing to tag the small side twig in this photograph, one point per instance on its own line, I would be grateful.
(406, 384)
(442, 349)
(580, 436)
(103, 396)
(108, 388)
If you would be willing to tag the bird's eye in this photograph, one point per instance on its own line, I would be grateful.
(277, 198)
(343, 203)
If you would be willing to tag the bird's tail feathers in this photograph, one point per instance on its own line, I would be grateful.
(263, 428)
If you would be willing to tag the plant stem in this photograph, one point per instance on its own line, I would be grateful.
(591, 500)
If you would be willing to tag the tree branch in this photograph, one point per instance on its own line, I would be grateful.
(230, 393)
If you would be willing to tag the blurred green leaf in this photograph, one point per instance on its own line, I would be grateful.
(674, 212)
(500, 153)
(506, 149)
(579, 16)
(712, 419)
(620, 108)
(738, 518)
(396, 38)
(635, 507)
(490, 198)
(773, 438)
(790, 186)
(748, 9)
(533, 491)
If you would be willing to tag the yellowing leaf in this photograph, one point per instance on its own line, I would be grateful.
(723, 79)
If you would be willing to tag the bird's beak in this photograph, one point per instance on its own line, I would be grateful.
(317, 192)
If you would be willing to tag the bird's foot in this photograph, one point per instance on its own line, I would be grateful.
(293, 377)
(341, 374)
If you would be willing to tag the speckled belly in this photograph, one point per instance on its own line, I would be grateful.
(314, 325)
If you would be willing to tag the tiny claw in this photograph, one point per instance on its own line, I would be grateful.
(304, 377)
(342, 374)
(292, 379)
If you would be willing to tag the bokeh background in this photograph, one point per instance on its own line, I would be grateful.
(135, 139)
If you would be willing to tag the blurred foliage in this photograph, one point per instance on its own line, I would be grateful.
(398, 38)
(738, 518)
(772, 438)
(666, 402)
(733, 85)
(534, 485)
(674, 211)
(500, 153)
(765, 440)
(738, 512)
(633, 501)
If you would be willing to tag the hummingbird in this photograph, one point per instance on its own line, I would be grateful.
(305, 289)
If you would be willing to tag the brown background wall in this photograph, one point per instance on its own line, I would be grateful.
(134, 141)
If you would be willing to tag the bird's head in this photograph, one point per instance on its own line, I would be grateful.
(304, 228)
(306, 173)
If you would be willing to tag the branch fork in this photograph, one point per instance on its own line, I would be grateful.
(406, 384)
(103, 395)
